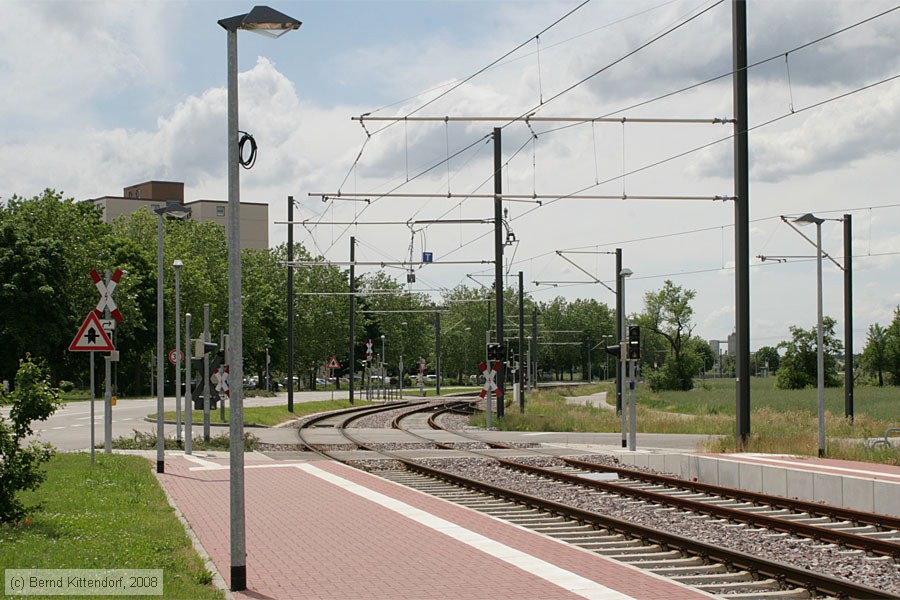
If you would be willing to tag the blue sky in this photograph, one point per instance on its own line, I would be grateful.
(101, 95)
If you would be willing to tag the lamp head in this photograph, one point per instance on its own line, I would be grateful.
(263, 20)
(177, 264)
(808, 219)
(173, 210)
(626, 272)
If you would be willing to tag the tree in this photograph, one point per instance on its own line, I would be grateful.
(668, 313)
(798, 368)
(875, 355)
(32, 400)
(768, 357)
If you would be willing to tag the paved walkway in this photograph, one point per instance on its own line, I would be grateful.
(321, 530)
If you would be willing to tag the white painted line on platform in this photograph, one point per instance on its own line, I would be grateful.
(567, 580)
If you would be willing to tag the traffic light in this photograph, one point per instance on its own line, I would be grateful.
(615, 350)
(634, 342)
(201, 347)
(495, 352)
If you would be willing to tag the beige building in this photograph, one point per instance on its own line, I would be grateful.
(153, 194)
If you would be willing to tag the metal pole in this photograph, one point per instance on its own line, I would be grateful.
(401, 376)
(820, 350)
(352, 316)
(532, 378)
(741, 221)
(107, 441)
(620, 328)
(178, 354)
(222, 398)
(188, 400)
(93, 443)
(207, 388)
(383, 357)
(235, 331)
(290, 309)
(498, 260)
(160, 350)
(848, 317)
(632, 412)
(437, 352)
(521, 339)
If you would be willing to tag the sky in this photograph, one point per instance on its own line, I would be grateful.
(100, 95)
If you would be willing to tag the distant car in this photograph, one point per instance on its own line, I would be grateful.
(431, 378)
(320, 381)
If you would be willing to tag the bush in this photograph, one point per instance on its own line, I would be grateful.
(66, 386)
(33, 400)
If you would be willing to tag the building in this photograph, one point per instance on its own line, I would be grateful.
(153, 194)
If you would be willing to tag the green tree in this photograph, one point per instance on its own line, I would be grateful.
(33, 399)
(767, 357)
(668, 313)
(798, 367)
(875, 358)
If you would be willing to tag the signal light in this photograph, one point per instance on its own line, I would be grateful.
(634, 342)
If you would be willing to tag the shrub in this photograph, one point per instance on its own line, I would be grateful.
(66, 386)
(33, 400)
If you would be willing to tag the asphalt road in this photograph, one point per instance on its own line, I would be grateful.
(69, 427)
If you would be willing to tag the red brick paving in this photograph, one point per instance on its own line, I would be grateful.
(310, 539)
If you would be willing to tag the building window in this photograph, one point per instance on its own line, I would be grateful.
(131, 194)
(220, 211)
(137, 194)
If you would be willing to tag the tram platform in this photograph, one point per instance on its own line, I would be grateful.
(316, 529)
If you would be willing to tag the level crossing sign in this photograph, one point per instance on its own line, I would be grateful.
(91, 337)
(489, 384)
(369, 352)
(106, 292)
(220, 376)
(333, 363)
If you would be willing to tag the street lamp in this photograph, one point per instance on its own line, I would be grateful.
(382, 366)
(590, 365)
(271, 23)
(178, 266)
(810, 219)
(173, 210)
(624, 274)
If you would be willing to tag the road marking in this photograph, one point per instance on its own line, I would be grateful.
(567, 580)
(53, 428)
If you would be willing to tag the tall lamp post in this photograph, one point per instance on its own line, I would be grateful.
(271, 23)
(382, 366)
(624, 274)
(173, 210)
(810, 219)
(177, 264)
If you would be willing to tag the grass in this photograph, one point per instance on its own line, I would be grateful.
(267, 416)
(113, 515)
(782, 421)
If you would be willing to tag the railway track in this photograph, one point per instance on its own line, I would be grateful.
(714, 569)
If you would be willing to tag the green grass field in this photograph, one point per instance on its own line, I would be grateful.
(268, 416)
(113, 515)
(782, 421)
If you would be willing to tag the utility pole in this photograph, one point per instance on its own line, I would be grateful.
(498, 260)
(206, 387)
(848, 317)
(521, 340)
(290, 310)
(533, 367)
(741, 221)
(437, 351)
(620, 329)
(352, 315)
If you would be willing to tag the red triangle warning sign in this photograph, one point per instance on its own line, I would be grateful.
(333, 363)
(91, 337)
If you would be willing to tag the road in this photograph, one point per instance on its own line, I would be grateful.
(69, 427)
